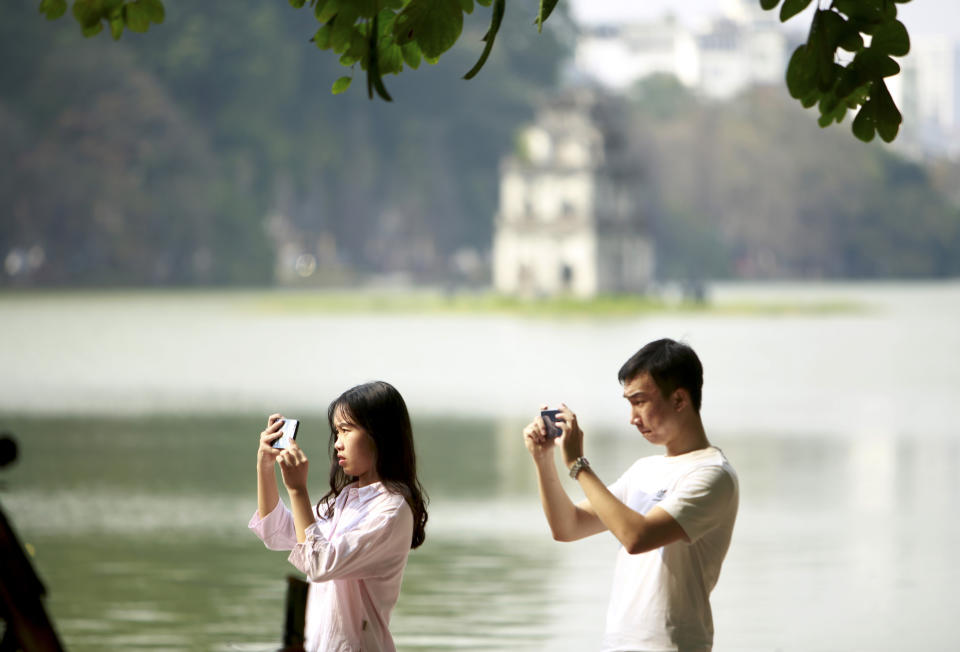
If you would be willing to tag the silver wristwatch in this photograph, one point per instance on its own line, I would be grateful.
(580, 464)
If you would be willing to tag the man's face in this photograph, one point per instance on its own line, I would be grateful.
(650, 412)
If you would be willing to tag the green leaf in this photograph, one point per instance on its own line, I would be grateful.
(136, 17)
(872, 64)
(868, 14)
(411, 54)
(154, 10)
(343, 28)
(467, 6)
(390, 57)
(852, 42)
(484, 3)
(365, 8)
(546, 8)
(891, 38)
(791, 8)
(839, 32)
(801, 72)
(297, 4)
(859, 96)
(848, 82)
(87, 17)
(374, 81)
(325, 10)
(92, 30)
(821, 51)
(829, 101)
(386, 21)
(886, 114)
(342, 84)
(499, 8)
(116, 27)
(864, 126)
(810, 99)
(322, 38)
(829, 117)
(769, 4)
(434, 24)
(357, 50)
(53, 9)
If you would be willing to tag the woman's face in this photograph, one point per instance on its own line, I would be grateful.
(355, 449)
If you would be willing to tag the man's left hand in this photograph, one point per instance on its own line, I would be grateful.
(571, 441)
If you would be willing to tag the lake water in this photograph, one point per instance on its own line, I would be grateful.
(137, 416)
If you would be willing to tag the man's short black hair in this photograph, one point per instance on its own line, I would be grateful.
(671, 365)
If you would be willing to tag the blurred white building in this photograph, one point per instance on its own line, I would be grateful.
(927, 90)
(567, 221)
(744, 47)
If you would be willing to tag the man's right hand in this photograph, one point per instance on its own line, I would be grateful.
(535, 437)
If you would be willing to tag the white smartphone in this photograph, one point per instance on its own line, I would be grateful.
(287, 433)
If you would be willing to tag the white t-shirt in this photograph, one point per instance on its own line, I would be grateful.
(661, 599)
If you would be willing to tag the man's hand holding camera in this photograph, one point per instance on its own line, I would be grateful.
(570, 440)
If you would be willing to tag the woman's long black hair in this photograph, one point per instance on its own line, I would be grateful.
(378, 408)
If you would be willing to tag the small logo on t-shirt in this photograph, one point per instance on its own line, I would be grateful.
(659, 495)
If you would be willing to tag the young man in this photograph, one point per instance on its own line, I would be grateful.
(673, 514)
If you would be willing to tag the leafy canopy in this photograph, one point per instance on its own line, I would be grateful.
(817, 75)
(92, 15)
(383, 36)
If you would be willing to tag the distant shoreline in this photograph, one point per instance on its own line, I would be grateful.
(398, 301)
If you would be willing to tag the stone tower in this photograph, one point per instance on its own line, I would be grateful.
(568, 221)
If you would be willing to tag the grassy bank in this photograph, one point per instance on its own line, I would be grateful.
(620, 305)
(431, 301)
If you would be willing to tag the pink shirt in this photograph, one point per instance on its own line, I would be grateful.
(354, 561)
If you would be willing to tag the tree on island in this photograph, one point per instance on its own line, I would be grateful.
(835, 69)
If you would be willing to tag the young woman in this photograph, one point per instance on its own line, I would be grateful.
(353, 544)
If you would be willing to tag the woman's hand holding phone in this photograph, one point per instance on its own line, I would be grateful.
(267, 454)
(294, 467)
(267, 492)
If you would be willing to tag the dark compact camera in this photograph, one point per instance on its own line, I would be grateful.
(550, 421)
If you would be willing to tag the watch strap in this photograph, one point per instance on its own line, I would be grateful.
(579, 464)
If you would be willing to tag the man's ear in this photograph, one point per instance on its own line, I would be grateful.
(679, 399)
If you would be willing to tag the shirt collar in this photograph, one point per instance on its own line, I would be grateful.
(365, 493)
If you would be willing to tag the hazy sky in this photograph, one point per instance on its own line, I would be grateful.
(920, 16)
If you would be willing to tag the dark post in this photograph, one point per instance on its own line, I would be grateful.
(296, 615)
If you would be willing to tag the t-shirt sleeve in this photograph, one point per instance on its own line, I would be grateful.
(702, 500)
